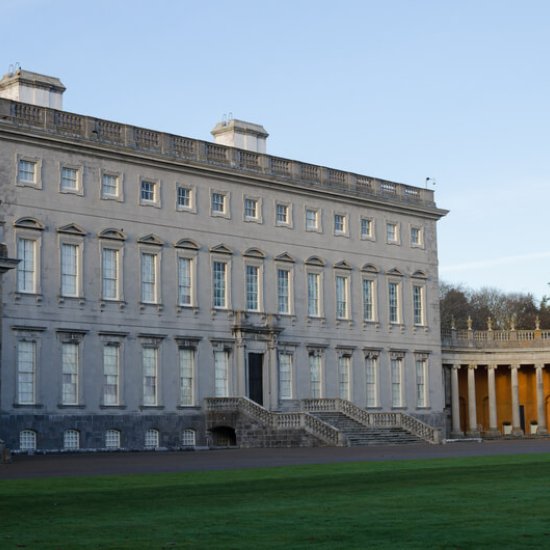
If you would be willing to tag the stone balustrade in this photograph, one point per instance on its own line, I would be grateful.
(22, 116)
(480, 339)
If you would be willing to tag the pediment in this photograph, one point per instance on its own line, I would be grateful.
(113, 234)
(342, 265)
(254, 253)
(370, 268)
(187, 243)
(395, 272)
(221, 249)
(72, 229)
(285, 257)
(29, 223)
(419, 275)
(151, 239)
(315, 260)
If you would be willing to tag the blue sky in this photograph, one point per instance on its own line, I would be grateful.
(457, 91)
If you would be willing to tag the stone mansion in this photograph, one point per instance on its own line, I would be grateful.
(165, 292)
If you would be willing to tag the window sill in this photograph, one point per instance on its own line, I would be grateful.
(112, 407)
(75, 406)
(28, 406)
(151, 408)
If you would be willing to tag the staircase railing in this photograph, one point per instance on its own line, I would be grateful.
(374, 419)
(278, 421)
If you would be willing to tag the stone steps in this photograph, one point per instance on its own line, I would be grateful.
(359, 435)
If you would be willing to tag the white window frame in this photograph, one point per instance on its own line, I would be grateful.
(288, 209)
(342, 296)
(372, 388)
(71, 440)
(188, 438)
(153, 192)
(341, 218)
(225, 281)
(70, 373)
(77, 171)
(419, 304)
(396, 380)
(117, 178)
(256, 216)
(253, 291)
(315, 364)
(151, 439)
(393, 237)
(286, 371)
(150, 367)
(314, 302)
(395, 313)
(116, 280)
(70, 272)
(28, 269)
(224, 212)
(345, 373)
(26, 371)
(421, 382)
(36, 178)
(187, 370)
(191, 207)
(222, 361)
(285, 296)
(27, 440)
(111, 373)
(150, 291)
(419, 243)
(373, 301)
(312, 224)
(370, 235)
(186, 280)
(112, 439)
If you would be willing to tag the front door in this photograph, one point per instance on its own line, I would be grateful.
(255, 378)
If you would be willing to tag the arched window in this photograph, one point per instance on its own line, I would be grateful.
(152, 439)
(71, 439)
(112, 439)
(188, 438)
(27, 440)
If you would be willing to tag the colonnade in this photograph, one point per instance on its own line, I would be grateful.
(472, 406)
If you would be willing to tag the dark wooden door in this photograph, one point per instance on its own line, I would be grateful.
(255, 378)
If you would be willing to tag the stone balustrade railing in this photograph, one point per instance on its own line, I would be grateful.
(151, 143)
(479, 339)
(277, 421)
(374, 419)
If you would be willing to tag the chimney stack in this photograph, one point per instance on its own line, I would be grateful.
(241, 134)
(33, 88)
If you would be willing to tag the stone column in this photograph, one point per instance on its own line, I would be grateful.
(516, 426)
(541, 413)
(493, 427)
(472, 412)
(273, 376)
(455, 403)
(240, 361)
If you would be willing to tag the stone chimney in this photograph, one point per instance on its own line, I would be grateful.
(37, 89)
(241, 134)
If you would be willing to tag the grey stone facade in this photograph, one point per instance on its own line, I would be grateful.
(159, 270)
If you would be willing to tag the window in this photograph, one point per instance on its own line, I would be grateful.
(150, 388)
(185, 282)
(252, 288)
(315, 374)
(110, 186)
(187, 371)
(368, 300)
(221, 372)
(110, 273)
(111, 374)
(392, 233)
(26, 372)
(342, 297)
(112, 439)
(71, 440)
(218, 203)
(26, 269)
(69, 367)
(27, 440)
(418, 304)
(396, 366)
(251, 209)
(27, 172)
(149, 278)
(394, 302)
(184, 198)
(188, 438)
(219, 285)
(69, 270)
(421, 394)
(344, 368)
(312, 219)
(416, 236)
(152, 438)
(283, 291)
(313, 294)
(69, 179)
(282, 214)
(340, 224)
(371, 372)
(285, 375)
(148, 191)
(367, 228)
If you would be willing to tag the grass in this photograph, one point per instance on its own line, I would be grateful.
(448, 503)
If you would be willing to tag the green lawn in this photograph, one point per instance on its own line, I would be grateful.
(451, 503)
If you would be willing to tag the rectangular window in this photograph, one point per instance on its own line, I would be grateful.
(221, 370)
(392, 233)
(315, 375)
(69, 366)
(148, 191)
(69, 270)
(283, 291)
(342, 297)
(26, 372)
(371, 372)
(150, 365)
(421, 383)
(312, 219)
(109, 186)
(219, 285)
(368, 299)
(393, 296)
(281, 212)
(344, 368)
(187, 371)
(110, 273)
(285, 375)
(252, 288)
(367, 228)
(26, 269)
(185, 282)
(416, 236)
(313, 294)
(148, 278)
(339, 224)
(27, 171)
(184, 197)
(396, 389)
(111, 374)
(218, 203)
(418, 304)
(69, 179)
(251, 209)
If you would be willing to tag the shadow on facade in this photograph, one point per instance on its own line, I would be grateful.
(223, 436)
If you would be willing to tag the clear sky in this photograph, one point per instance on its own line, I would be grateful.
(457, 91)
